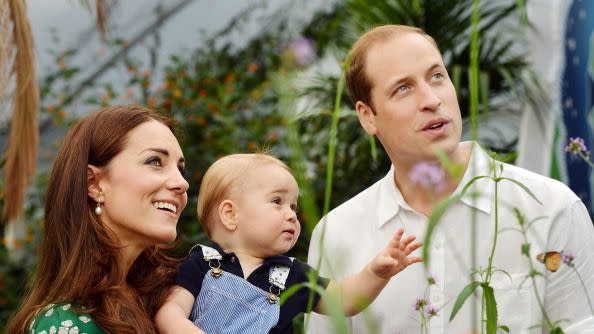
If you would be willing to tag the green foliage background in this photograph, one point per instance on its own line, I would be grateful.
(227, 100)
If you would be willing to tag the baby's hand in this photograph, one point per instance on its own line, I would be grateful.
(396, 256)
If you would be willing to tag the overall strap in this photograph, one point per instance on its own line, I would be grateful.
(279, 274)
(277, 278)
(210, 254)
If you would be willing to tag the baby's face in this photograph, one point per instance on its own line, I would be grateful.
(267, 211)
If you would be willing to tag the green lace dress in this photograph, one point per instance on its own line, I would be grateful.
(60, 319)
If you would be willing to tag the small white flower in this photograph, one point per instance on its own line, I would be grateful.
(73, 330)
(42, 332)
(84, 319)
(63, 330)
(66, 307)
(66, 323)
(49, 312)
(53, 330)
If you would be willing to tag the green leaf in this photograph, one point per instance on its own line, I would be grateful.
(504, 328)
(526, 249)
(491, 307)
(534, 273)
(466, 292)
(68, 73)
(528, 191)
(435, 217)
(519, 216)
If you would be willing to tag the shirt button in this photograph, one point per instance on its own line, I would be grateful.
(232, 258)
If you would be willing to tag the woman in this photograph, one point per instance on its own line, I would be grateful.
(115, 195)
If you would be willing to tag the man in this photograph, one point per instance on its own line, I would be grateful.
(404, 96)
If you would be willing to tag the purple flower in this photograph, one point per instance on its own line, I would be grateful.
(303, 51)
(429, 176)
(420, 304)
(576, 146)
(567, 257)
(431, 310)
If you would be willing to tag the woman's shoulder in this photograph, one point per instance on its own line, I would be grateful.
(62, 319)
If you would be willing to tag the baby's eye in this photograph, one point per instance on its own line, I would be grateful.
(154, 161)
(277, 200)
(294, 207)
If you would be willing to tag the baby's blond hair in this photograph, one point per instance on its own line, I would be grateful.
(225, 178)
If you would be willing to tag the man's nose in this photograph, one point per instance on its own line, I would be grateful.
(429, 100)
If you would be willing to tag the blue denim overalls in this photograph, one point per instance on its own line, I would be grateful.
(230, 304)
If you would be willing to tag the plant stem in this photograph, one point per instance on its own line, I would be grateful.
(333, 138)
(490, 265)
(583, 286)
(586, 159)
(532, 270)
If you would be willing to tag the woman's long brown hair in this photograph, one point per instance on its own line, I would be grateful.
(77, 259)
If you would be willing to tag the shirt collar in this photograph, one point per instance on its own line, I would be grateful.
(390, 199)
(277, 259)
(478, 195)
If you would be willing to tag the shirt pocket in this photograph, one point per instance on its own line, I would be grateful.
(513, 295)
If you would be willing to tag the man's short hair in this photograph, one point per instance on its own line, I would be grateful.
(359, 86)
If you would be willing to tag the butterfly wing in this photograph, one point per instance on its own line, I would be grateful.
(553, 261)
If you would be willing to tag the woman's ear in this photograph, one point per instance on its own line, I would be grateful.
(228, 215)
(93, 177)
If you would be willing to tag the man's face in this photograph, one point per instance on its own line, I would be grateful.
(415, 104)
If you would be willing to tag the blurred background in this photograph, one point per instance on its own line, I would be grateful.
(247, 75)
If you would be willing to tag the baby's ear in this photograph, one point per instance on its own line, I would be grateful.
(228, 215)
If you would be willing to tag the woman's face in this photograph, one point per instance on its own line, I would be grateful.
(143, 189)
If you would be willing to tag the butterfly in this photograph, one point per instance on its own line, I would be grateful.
(551, 260)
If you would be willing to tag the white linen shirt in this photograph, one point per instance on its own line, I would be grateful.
(354, 232)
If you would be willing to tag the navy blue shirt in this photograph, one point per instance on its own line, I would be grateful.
(191, 273)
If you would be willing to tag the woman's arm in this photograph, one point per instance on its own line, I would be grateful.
(356, 292)
(172, 317)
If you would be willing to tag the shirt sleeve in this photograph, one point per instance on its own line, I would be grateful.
(61, 319)
(568, 292)
(303, 274)
(191, 272)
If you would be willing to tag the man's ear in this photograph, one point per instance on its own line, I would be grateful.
(228, 215)
(366, 117)
(93, 177)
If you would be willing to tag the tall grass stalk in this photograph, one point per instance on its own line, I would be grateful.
(474, 98)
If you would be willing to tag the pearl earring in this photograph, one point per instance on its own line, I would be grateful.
(98, 209)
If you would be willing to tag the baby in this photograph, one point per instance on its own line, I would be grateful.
(248, 207)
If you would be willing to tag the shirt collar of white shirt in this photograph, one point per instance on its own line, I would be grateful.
(479, 164)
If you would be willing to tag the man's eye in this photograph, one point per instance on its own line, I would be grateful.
(182, 171)
(438, 76)
(402, 88)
